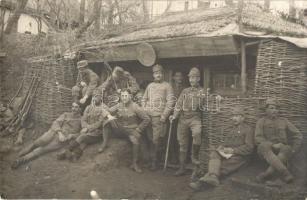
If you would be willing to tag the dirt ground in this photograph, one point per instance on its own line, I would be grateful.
(109, 174)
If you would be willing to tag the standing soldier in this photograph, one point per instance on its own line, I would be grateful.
(158, 101)
(131, 121)
(92, 123)
(232, 154)
(86, 83)
(63, 129)
(189, 106)
(277, 140)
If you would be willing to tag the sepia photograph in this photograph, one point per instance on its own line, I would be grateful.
(153, 99)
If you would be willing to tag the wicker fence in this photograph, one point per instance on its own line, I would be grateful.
(54, 92)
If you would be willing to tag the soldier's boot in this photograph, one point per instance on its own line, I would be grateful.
(76, 154)
(154, 157)
(135, 156)
(62, 155)
(212, 177)
(286, 175)
(195, 154)
(181, 171)
(27, 150)
(105, 142)
(260, 178)
(17, 163)
(196, 185)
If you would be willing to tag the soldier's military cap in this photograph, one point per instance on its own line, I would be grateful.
(82, 64)
(118, 70)
(271, 101)
(194, 72)
(157, 68)
(238, 110)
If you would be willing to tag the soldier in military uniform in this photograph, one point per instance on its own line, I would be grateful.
(119, 80)
(277, 140)
(131, 121)
(188, 109)
(158, 101)
(63, 129)
(86, 83)
(232, 154)
(92, 123)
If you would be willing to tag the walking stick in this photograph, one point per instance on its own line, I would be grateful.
(168, 143)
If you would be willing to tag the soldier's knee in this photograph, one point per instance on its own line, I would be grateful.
(264, 147)
(285, 149)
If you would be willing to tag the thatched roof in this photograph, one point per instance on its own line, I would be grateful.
(206, 22)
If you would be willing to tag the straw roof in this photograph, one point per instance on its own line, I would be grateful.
(206, 22)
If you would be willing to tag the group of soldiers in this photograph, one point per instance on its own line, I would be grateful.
(117, 108)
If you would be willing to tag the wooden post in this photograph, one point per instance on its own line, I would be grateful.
(206, 80)
(243, 67)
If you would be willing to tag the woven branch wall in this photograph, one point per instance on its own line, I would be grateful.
(54, 92)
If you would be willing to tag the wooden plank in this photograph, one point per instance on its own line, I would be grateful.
(243, 67)
(175, 48)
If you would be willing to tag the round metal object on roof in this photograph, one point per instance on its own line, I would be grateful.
(146, 54)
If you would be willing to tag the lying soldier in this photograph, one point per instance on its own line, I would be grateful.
(63, 129)
(273, 137)
(233, 154)
(131, 122)
(92, 122)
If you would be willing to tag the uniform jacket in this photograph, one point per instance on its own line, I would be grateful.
(241, 139)
(90, 78)
(158, 99)
(67, 123)
(94, 116)
(278, 130)
(177, 89)
(190, 102)
(131, 116)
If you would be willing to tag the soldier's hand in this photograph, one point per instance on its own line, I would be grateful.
(62, 138)
(172, 117)
(228, 150)
(84, 130)
(83, 100)
(83, 84)
(162, 119)
(111, 117)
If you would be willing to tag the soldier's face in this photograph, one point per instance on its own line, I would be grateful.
(178, 78)
(75, 108)
(157, 76)
(97, 99)
(237, 119)
(194, 80)
(271, 110)
(125, 97)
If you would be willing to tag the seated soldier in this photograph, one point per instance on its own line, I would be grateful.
(92, 123)
(272, 139)
(86, 83)
(63, 129)
(230, 156)
(131, 122)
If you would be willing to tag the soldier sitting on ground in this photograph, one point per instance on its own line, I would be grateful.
(131, 121)
(86, 83)
(232, 154)
(277, 140)
(63, 129)
(92, 123)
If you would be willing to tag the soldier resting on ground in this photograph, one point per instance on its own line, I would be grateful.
(92, 123)
(63, 129)
(277, 140)
(232, 155)
(131, 120)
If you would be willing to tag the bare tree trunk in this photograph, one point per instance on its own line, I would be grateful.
(291, 9)
(145, 10)
(118, 11)
(97, 8)
(229, 2)
(13, 19)
(2, 14)
(267, 4)
(82, 12)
